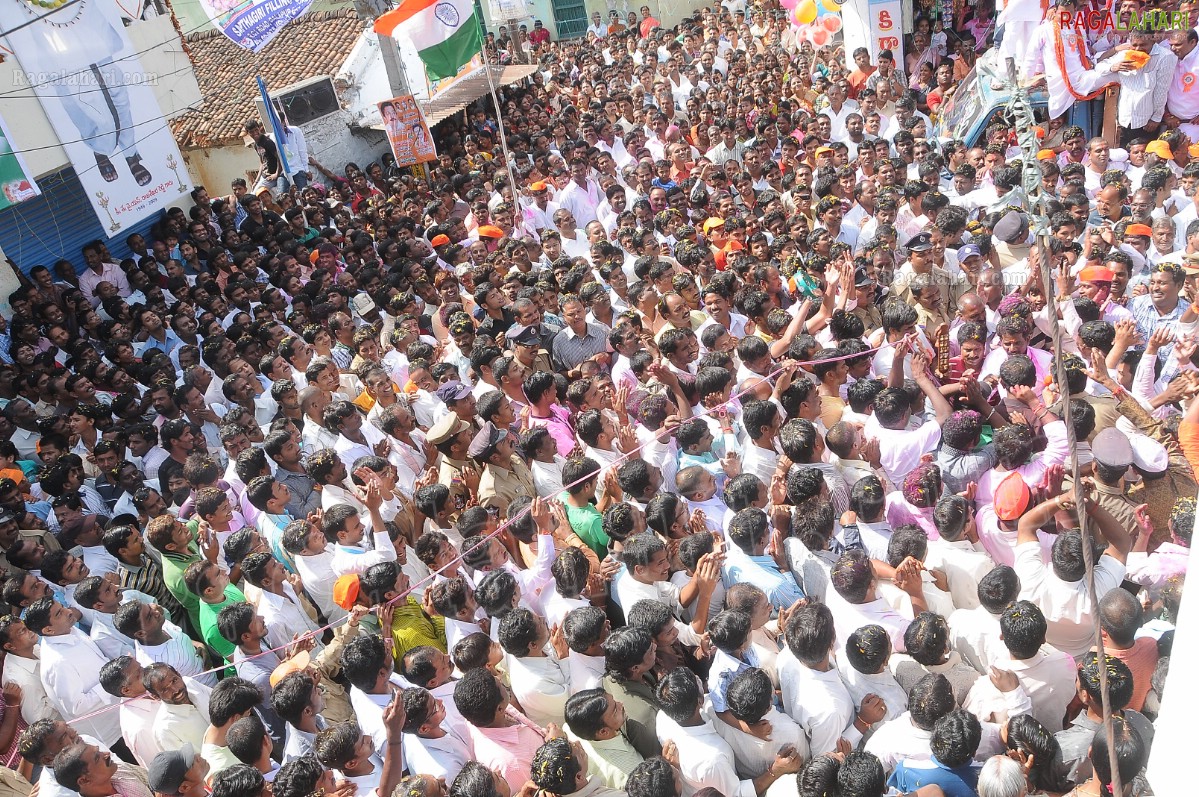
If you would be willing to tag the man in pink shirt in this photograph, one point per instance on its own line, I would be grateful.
(503, 739)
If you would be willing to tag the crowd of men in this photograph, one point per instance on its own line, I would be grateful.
(712, 440)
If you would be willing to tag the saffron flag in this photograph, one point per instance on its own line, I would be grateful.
(446, 33)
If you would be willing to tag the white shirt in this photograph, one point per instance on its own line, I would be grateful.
(285, 617)
(1041, 58)
(899, 738)
(541, 684)
(900, 449)
(316, 437)
(112, 643)
(70, 673)
(317, 574)
(138, 717)
(179, 652)
(355, 559)
(547, 476)
(586, 672)
(1183, 101)
(98, 560)
(838, 118)
(753, 755)
(882, 684)
(582, 201)
(849, 617)
(629, 590)
(1067, 605)
(1048, 678)
(368, 709)
(761, 462)
(964, 563)
(819, 702)
(179, 725)
(705, 759)
(49, 787)
(974, 633)
(443, 757)
(27, 674)
(349, 451)
(557, 607)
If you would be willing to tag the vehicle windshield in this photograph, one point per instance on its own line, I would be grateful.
(961, 108)
(982, 89)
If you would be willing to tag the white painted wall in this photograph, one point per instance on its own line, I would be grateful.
(332, 142)
(163, 60)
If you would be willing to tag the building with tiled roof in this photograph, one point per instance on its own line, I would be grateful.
(322, 44)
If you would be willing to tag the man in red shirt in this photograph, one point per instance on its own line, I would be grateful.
(540, 35)
(857, 78)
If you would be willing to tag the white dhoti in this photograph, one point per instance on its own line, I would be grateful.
(1016, 24)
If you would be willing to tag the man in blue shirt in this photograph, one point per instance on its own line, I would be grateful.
(751, 564)
(955, 740)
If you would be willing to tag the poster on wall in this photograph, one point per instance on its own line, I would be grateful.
(876, 25)
(406, 131)
(98, 97)
(253, 23)
(16, 183)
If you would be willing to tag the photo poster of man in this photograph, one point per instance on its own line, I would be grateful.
(406, 131)
(16, 183)
(98, 97)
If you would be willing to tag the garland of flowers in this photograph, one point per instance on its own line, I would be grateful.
(1059, 51)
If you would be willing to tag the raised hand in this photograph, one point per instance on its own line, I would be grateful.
(394, 717)
(920, 364)
(558, 642)
(470, 478)
(787, 761)
(627, 439)
(1162, 336)
(1004, 680)
(873, 709)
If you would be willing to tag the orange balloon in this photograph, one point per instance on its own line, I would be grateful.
(805, 12)
(819, 35)
(832, 23)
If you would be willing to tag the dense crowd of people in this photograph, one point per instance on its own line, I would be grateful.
(710, 441)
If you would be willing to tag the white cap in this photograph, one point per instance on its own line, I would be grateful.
(1148, 455)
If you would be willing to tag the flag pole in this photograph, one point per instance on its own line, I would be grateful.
(499, 114)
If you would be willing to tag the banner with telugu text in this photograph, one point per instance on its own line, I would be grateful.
(98, 98)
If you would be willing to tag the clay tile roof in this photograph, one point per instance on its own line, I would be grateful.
(316, 44)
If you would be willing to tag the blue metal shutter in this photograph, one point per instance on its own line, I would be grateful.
(57, 224)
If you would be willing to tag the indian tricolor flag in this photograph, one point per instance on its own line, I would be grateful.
(446, 33)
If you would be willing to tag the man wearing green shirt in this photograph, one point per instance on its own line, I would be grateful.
(211, 585)
(583, 514)
(179, 549)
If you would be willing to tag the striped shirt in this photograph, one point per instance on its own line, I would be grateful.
(147, 577)
(571, 349)
(1143, 92)
(1148, 319)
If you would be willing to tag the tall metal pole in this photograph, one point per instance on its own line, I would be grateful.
(1025, 123)
(499, 117)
